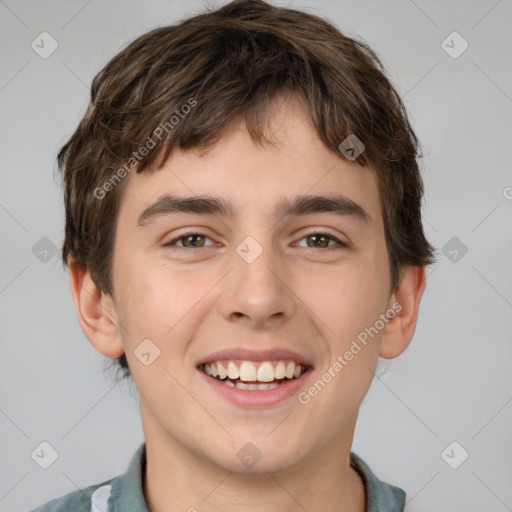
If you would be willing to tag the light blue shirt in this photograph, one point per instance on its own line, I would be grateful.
(125, 494)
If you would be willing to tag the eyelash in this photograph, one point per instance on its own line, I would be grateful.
(308, 235)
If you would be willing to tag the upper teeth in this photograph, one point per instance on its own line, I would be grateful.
(248, 371)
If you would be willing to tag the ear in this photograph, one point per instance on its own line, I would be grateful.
(399, 330)
(95, 311)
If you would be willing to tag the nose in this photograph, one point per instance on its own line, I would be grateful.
(258, 293)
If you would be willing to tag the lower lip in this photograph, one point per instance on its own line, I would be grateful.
(257, 397)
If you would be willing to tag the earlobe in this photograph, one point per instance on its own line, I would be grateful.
(95, 312)
(400, 329)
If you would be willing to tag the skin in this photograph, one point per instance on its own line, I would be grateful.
(191, 301)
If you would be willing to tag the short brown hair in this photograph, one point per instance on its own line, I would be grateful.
(232, 62)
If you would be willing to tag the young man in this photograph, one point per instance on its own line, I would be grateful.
(244, 238)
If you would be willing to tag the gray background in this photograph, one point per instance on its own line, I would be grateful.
(454, 383)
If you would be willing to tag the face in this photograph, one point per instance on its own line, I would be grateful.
(275, 277)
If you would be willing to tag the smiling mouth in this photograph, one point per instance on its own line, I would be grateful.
(251, 375)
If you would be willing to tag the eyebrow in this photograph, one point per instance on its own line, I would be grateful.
(211, 205)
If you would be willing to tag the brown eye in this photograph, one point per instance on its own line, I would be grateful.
(322, 241)
(193, 240)
(189, 240)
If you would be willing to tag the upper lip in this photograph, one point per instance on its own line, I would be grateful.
(247, 354)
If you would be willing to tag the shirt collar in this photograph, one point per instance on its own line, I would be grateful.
(380, 497)
(127, 494)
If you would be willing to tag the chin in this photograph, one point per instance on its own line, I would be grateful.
(260, 456)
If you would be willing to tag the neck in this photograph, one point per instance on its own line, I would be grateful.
(178, 479)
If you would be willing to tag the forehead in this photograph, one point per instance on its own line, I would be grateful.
(253, 178)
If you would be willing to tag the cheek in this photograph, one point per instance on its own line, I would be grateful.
(153, 298)
(345, 301)
(157, 305)
(164, 305)
(344, 315)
